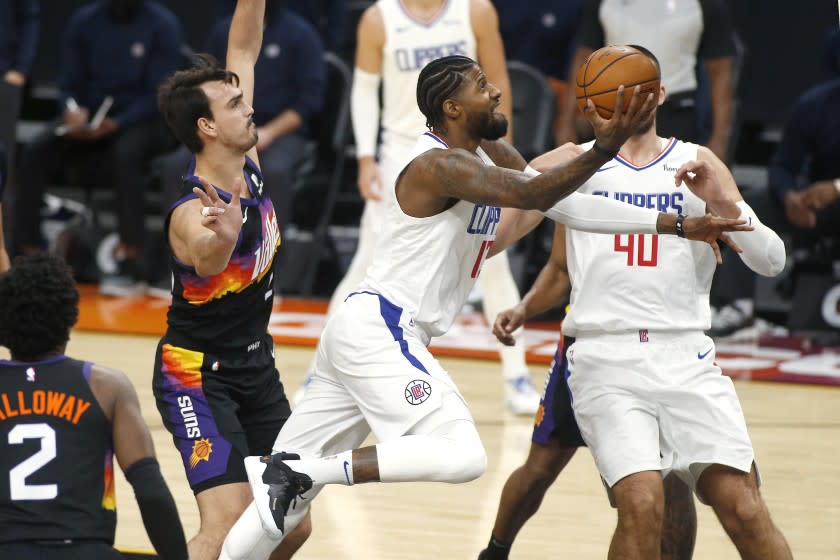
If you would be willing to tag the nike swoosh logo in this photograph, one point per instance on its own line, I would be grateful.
(704, 354)
(347, 473)
(605, 168)
(245, 216)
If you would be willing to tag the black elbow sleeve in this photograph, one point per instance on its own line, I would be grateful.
(157, 507)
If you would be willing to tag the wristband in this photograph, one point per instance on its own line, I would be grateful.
(599, 150)
(678, 227)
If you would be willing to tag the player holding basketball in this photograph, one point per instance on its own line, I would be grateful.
(215, 381)
(373, 368)
(647, 394)
(62, 423)
(396, 38)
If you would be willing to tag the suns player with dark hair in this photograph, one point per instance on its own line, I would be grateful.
(373, 370)
(62, 422)
(215, 380)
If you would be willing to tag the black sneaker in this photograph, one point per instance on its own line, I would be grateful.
(284, 485)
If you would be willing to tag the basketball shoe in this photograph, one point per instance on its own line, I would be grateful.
(270, 476)
(520, 396)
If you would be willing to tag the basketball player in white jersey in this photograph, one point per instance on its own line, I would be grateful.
(647, 395)
(373, 370)
(396, 39)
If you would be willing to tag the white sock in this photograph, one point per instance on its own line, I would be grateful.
(336, 469)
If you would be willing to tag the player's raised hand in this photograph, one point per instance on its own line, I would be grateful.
(701, 179)
(223, 218)
(506, 323)
(626, 120)
(710, 228)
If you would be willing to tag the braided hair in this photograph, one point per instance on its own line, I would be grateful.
(437, 82)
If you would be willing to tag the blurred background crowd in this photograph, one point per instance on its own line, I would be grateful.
(92, 170)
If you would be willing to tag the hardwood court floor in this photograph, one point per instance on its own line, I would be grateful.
(795, 430)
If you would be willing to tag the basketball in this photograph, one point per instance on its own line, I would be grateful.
(607, 68)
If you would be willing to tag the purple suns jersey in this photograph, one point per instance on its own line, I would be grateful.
(230, 309)
(625, 282)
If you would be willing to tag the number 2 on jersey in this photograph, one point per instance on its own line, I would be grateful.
(479, 260)
(18, 488)
(635, 249)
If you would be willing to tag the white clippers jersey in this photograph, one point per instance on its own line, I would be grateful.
(427, 266)
(409, 46)
(631, 282)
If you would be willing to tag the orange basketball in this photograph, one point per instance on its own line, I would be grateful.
(599, 77)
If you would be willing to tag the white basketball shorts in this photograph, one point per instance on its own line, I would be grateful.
(648, 400)
(372, 373)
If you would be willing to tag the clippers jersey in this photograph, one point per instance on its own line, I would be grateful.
(628, 282)
(56, 454)
(230, 309)
(410, 45)
(428, 266)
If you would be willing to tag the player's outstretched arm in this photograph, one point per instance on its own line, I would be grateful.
(761, 249)
(244, 44)
(135, 452)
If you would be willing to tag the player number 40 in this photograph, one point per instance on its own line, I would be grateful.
(640, 251)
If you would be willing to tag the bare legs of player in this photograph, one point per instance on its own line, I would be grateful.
(732, 494)
(525, 488)
(737, 502)
(219, 508)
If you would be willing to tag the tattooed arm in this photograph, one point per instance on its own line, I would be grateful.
(435, 178)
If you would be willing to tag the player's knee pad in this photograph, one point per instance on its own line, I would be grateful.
(466, 458)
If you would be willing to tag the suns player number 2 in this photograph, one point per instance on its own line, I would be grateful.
(18, 488)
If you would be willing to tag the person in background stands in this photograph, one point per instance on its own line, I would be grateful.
(120, 49)
(19, 31)
(548, 46)
(686, 32)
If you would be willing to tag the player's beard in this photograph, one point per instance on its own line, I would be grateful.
(253, 137)
(645, 127)
(489, 125)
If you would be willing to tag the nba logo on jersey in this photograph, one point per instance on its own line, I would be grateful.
(30, 375)
(417, 391)
(643, 335)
